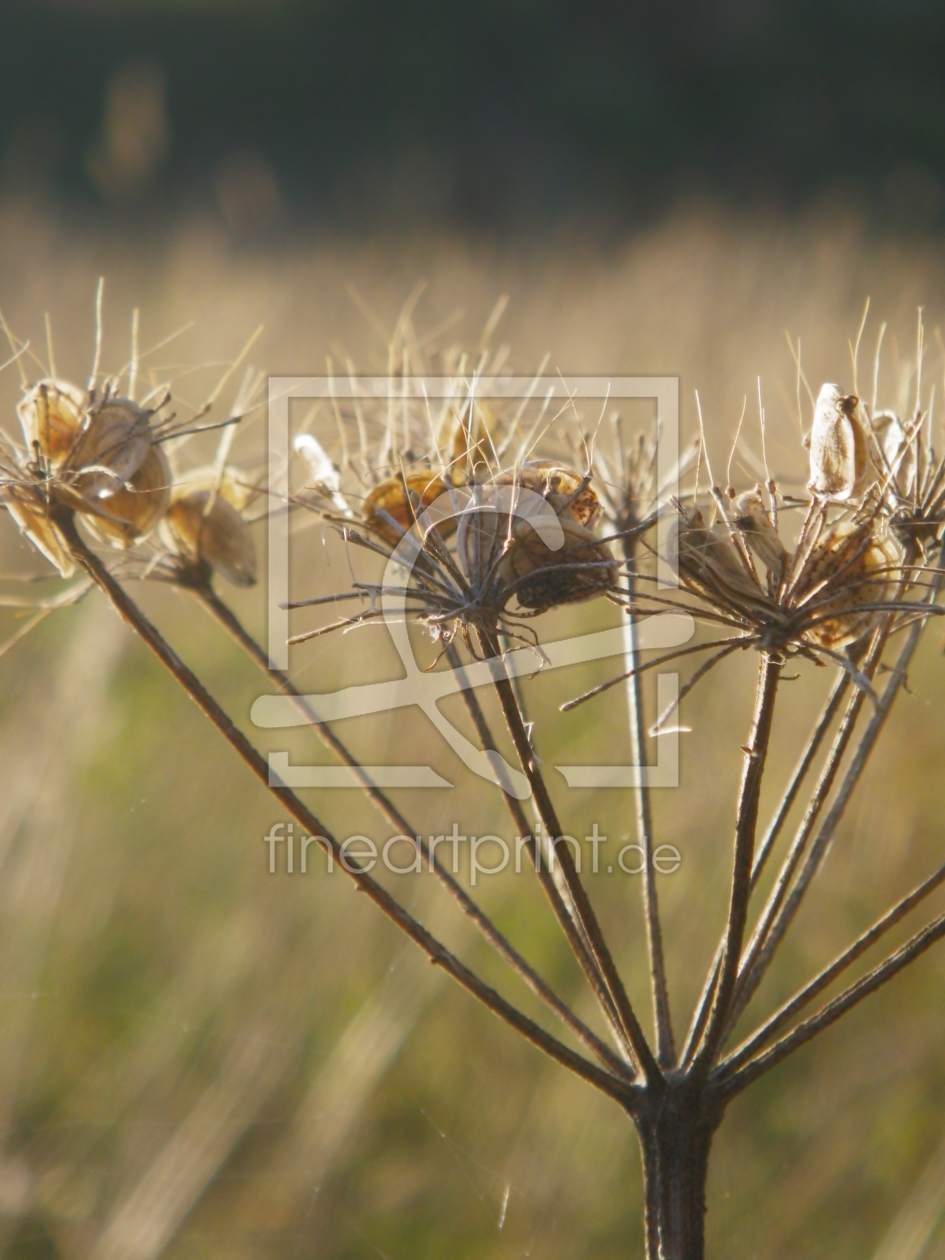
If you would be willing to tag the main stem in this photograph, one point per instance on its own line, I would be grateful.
(675, 1138)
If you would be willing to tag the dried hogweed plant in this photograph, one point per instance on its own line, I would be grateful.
(470, 522)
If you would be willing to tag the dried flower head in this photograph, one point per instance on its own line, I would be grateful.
(486, 554)
(529, 532)
(96, 457)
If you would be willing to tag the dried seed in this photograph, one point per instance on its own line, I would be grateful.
(50, 416)
(852, 568)
(203, 528)
(839, 454)
(755, 526)
(391, 497)
(129, 514)
(29, 512)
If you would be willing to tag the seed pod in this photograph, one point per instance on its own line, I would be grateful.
(851, 569)
(839, 454)
(543, 577)
(472, 445)
(204, 529)
(111, 446)
(554, 479)
(50, 416)
(29, 512)
(899, 452)
(759, 533)
(484, 534)
(390, 497)
(506, 545)
(238, 492)
(134, 510)
(708, 564)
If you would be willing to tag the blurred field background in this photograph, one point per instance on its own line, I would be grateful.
(198, 1059)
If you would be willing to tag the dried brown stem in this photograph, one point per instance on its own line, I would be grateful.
(225, 616)
(585, 912)
(437, 953)
(787, 1012)
(665, 1047)
(767, 844)
(756, 753)
(569, 924)
(829, 1014)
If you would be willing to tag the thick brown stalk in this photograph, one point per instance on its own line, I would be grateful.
(235, 628)
(676, 1134)
(437, 953)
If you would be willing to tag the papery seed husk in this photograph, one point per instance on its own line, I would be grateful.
(30, 513)
(111, 446)
(547, 577)
(239, 493)
(424, 487)
(899, 452)
(839, 452)
(708, 563)
(483, 535)
(134, 510)
(203, 528)
(472, 446)
(546, 478)
(852, 566)
(50, 415)
(755, 526)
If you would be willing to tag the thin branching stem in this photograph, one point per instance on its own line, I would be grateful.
(570, 925)
(747, 981)
(437, 953)
(562, 854)
(662, 1019)
(780, 924)
(775, 827)
(786, 1013)
(746, 820)
(792, 902)
(568, 921)
(829, 1014)
(228, 619)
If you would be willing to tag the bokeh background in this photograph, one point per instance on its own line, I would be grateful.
(198, 1059)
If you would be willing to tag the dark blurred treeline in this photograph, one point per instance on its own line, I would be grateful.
(500, 114)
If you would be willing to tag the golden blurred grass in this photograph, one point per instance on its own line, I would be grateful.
(200, 1059)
